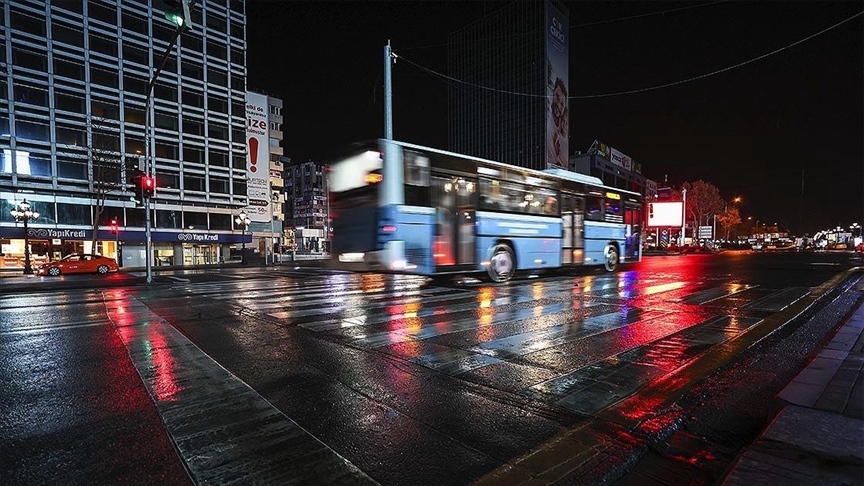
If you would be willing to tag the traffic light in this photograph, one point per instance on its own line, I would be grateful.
(178, 13)
(134, 179)
(148, 186)
(115, 228)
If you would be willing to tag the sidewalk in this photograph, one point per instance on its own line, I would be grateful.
(818, 437)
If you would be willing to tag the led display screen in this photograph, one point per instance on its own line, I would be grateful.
(665, 214)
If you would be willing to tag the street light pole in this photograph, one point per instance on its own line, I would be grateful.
(243, 221)
(23, 214)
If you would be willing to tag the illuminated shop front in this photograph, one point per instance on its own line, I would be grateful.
(127, 247)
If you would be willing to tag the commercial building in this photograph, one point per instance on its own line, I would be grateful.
(512, 102)
(307, 206)
(611, 166)
(72, 128)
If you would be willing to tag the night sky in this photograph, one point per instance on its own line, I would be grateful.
(752, 131)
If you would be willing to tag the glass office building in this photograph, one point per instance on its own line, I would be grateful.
(72, 128)
(508, 63)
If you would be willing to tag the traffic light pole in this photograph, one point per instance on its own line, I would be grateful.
(149, 167)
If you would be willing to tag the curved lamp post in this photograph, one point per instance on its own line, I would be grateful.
(22, 213)
(243, 221)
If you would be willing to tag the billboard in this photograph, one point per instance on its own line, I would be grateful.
(665, 214)
(557, 90)
(257, 158)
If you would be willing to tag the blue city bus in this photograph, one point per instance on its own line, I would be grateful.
(406, 208)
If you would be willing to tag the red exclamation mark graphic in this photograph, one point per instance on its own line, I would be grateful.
(253, 153)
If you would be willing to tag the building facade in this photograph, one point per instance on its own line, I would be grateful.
(511, 104)
(611, 166)
(264, 173)
(307, 209)
(73, 96)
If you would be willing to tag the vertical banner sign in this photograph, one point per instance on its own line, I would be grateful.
(257, 157)
(557, 89)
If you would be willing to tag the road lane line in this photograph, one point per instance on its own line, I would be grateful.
(219, 424)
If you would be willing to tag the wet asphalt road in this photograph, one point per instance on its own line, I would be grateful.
(415, 383)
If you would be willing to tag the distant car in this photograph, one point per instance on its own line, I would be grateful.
(78, 263)
(860, 248)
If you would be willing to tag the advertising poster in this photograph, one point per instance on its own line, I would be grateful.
(257, 158)
(557, 89)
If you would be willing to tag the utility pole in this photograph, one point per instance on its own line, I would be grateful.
(388, 94)
(684, 216)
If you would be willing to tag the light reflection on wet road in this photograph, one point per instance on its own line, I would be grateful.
(456, 379)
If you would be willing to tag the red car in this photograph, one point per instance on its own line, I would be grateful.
(78, 263)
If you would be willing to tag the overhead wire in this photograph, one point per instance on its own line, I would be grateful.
(638, 90)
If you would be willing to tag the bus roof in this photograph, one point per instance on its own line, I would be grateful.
(555, 173)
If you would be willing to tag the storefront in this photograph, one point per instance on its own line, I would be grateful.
(127, 247)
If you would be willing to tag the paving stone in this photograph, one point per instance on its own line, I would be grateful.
(820, 432)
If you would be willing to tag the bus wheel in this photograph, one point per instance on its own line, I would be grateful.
(502, 265)
(611, 258)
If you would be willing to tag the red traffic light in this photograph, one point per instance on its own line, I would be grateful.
(148, 186)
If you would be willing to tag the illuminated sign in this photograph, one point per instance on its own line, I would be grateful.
(612, 195)
(665, 214)
(373, 178)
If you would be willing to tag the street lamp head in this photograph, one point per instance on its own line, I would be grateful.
(25, 206)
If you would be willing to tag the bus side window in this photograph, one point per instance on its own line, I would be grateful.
(593, 208)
